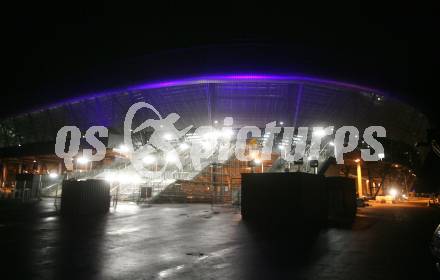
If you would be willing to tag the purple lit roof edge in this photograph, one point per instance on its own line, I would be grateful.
(224, 78)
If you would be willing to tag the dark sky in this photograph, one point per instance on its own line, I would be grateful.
(52, 54)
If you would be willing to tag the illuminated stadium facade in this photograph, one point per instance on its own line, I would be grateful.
(27, 140)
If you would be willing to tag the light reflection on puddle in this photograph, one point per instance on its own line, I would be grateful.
(123, 231)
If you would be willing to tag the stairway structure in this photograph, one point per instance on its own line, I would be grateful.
(216, 183)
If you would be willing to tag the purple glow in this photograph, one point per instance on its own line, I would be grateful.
(225, 78)
(250, 78)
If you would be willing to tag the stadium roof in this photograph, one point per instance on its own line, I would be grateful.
(251, 98)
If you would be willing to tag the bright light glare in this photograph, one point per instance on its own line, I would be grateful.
(53, 175)
(123, 148)
(212, 135)
(184, 146)
(82, 160)
(381, 155)
(227, 133)
(319, 132)
(167, 136)
(254, 154)
(149, 159)
(207, 145)
(110, 177)
(123, 178)
(331, 144)
(257, 161)
(393, 192)
(171, 157)
(126, 178)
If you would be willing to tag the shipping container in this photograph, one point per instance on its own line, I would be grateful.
(85, 197)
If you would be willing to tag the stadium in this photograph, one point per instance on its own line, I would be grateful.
(30, 167)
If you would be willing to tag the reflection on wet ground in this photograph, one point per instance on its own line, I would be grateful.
(195, 242)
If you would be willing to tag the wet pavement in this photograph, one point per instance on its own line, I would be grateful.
(198, 242)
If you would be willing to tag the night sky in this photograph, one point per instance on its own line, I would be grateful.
(53, 54)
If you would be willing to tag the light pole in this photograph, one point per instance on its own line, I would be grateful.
(359, 176)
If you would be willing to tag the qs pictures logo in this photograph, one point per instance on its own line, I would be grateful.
(168, 144)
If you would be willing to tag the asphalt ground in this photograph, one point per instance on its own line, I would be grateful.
(196, 241)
